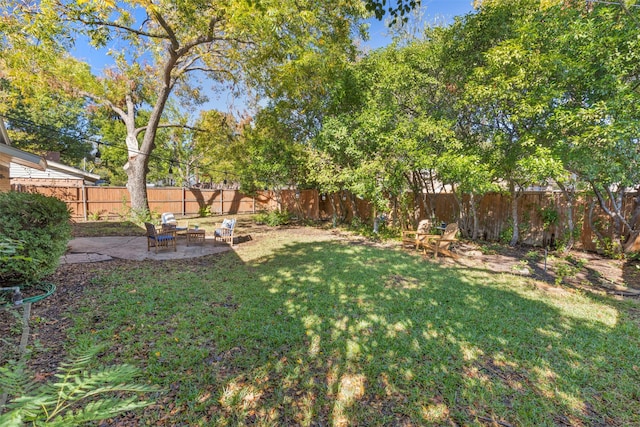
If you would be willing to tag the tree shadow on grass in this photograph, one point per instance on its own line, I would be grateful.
(354, 335)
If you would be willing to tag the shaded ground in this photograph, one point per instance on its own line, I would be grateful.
(559, 274)
(577, 269)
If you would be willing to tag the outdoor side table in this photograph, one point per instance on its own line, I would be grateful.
(195, 235)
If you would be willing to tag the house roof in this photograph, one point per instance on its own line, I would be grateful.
(13, 155)
(73, 171)
(22, 157)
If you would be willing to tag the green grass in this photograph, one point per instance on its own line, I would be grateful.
(128, 228)
(304, 332)
(107, 228)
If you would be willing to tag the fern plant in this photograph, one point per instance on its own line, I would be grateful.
(76, 396)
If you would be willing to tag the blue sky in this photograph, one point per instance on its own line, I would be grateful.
(433, 12)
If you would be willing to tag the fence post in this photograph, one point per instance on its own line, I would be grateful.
(85, 204)
(184, 201)
(222, 201)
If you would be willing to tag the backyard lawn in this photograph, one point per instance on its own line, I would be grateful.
(309, 327)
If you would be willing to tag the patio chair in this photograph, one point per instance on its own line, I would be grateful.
(437, 243)
(416, 237)
(169, 222)
(225, 231)
(163, 239)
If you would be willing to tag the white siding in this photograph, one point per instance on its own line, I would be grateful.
(19, 171)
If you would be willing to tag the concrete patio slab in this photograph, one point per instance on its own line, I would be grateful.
(97, 249)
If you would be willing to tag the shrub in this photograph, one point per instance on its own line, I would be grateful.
(507, 232)
(363, 228)
(549, 216)
(42, 226)
(273, 218)
(204, 211)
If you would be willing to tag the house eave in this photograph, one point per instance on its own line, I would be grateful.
(14, 155)
(88, 176)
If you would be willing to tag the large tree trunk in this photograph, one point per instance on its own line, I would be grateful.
(136, 184)
(277, 194)
(463, 220)
(635, 213)
(137, 165)
(342, 198)
(592, 225)
(419, 204)
(429, 195)
(355, 212)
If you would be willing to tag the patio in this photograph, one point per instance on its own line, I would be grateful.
(95, 249)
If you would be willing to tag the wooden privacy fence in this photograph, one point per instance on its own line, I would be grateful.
(494, 210)
(114, 202)
(494, 216)
(495, 223)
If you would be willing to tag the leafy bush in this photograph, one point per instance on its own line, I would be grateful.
(564, 270)
(365, 229)
(357, 223)
(273, 218)
(610, 248)
(42, 226)
(204, 211)
(532, 255)
(95, 216)
(140, 216)
(506, 233)
(549, 215)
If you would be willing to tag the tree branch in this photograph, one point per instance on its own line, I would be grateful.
(100, 23)
(209, 39)
(617, 203)
(170, 125)
(628, 12)
(613, 214)
(171, 35)
(119, 111)
(211, 70)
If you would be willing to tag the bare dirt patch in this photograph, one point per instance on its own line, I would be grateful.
(575, 269)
